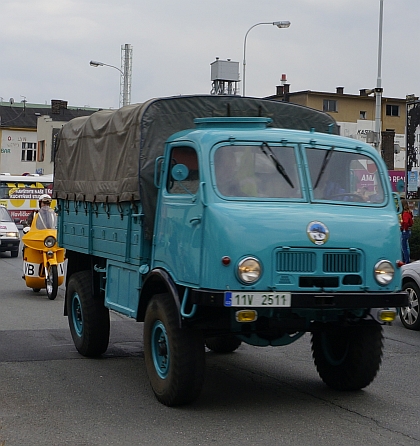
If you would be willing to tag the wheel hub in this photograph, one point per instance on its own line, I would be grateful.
(162, 348)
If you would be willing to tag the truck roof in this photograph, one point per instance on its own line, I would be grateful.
(109, 156)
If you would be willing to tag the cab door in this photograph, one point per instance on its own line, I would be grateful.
(179, 225)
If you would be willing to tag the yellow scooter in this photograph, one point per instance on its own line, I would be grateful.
(43, 259)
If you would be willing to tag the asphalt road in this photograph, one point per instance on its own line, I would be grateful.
(50, 395)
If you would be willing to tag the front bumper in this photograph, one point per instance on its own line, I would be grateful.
(9, 245)
(317, 300)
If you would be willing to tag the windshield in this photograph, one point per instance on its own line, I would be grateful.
(47, 219)
(4, 215)
(257, 171)
(344, 176)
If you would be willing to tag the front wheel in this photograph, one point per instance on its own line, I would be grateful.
(51, 281)
(174, 356)
(348, 358)
(409, 316)
(88, 317)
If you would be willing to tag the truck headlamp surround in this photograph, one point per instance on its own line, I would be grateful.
(249, 270)
(49, 241)
(384, 272)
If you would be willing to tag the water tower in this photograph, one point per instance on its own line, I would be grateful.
(224, 77)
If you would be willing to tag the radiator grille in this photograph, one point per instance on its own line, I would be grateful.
(306, 262)
(298, 262)
(341, 262)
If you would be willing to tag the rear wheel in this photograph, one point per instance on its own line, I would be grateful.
(51, 281)
(174, 356)
(223, 344)
(348, 358)
(410, 315)
(88, 317)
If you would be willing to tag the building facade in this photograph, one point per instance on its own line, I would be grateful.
(27, 134)
(355, 115)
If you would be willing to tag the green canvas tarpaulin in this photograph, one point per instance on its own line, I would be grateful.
(109, 156)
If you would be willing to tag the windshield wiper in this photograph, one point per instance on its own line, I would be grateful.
(276, 162)
(327, 158)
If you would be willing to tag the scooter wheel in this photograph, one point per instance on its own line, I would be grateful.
(51, 282)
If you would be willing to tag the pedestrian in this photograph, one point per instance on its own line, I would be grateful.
(406, 224)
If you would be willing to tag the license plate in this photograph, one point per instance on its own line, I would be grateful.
(240, 299)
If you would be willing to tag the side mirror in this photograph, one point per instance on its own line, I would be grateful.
(26, 229)
(179, 172)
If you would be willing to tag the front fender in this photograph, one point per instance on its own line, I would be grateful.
(157, 281)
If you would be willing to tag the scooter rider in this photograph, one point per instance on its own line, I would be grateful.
(44, 201)
(45, 220)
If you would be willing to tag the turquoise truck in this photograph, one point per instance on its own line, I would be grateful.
(221, 220)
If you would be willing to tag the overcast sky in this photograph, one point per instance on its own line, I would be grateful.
(46, 46)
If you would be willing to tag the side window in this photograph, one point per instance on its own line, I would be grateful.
(188, 157)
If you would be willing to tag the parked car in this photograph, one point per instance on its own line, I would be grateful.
(411, 283)
(9, 233)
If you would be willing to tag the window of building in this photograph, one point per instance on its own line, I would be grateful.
(392, 110)
(55, 132)
(41, 150)
(28, 151)
(330, 105)
(362, 114)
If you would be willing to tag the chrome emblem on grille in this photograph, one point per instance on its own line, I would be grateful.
(317, 232)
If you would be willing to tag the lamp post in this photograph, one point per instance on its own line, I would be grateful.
(94, 63)
(278, 24)
(378, 89)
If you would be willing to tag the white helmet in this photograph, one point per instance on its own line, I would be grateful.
(44, 198)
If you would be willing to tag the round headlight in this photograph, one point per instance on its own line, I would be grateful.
(249, 270)
(49, 242)
(384, 272)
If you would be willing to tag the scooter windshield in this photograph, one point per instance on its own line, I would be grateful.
(47, 219)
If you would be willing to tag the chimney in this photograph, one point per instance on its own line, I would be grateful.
(363, 92)
(280, 90)
(57, 105)
(340, 90)
(286, 91)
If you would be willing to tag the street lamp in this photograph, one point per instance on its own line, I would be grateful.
(378, 89)
(94, 63)
(278, 24)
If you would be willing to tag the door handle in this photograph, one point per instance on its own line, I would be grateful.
(196, 220)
